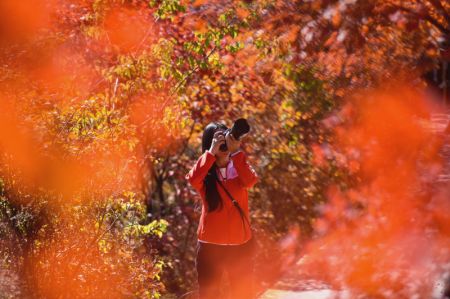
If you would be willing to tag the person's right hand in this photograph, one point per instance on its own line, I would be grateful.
(217, 141)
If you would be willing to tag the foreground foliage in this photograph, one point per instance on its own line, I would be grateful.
(102, 108)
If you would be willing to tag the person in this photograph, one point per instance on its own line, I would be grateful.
(224, 233)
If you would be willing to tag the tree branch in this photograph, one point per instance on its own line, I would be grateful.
(427, 17)
(438, 6)
(180, 83)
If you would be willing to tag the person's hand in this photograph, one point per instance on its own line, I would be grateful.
(218, 140)
(232, 143)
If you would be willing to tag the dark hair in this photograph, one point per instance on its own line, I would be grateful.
(212, 195)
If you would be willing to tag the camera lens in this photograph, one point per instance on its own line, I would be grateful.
(240, 128)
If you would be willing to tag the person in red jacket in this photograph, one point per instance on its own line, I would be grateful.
(224, 234)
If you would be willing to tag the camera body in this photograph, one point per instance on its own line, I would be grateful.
(238, 130)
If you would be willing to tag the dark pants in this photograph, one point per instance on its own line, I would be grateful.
(213, 260)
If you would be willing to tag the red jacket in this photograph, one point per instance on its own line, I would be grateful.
(224, 226)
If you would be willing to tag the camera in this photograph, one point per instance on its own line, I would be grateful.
(239, 129)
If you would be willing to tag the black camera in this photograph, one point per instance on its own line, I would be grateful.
(239, 129)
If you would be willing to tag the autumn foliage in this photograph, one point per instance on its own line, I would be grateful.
(102, 107)
(385, 236)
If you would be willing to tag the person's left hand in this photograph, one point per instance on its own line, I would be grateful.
(232, 144)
